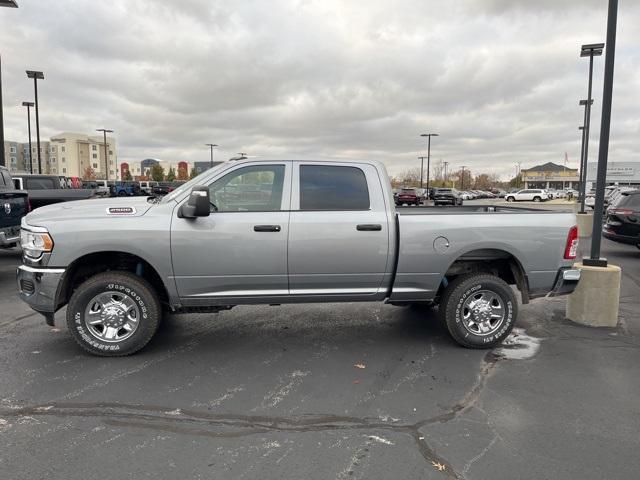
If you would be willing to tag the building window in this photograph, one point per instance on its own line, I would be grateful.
(62, 148)
(95, 155)
(13, 159)
(95, 165)
(64, 170)
(64, 160)
(94, 147)
(110, 152)
(41, 150)
(13, 150)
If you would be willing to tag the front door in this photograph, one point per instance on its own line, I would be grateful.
(338, 232)
(240, 250)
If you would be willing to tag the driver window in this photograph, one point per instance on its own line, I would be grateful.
(250, 189)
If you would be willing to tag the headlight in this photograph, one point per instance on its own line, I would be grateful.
(35, 243)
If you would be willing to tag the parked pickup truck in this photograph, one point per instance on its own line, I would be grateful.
(48, 189)
(14, 204)
(297, 231)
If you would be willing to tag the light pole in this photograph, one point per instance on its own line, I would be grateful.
(29, 105)
(446, 177)
(605, 130)
(518, 175)
(37, 76)
(462, 178)
(106, 152)
(583, 159)
(590, 50)
(11, 4)
(421, 169)
(428, 135)
(211, 145)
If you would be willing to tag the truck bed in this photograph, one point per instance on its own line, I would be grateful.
(472, 209)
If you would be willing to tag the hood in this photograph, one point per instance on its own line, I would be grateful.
(90, 209)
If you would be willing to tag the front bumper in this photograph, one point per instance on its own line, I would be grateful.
(566, 282)
(9, 236)
(39, 288)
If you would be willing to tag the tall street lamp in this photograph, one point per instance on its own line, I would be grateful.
(590, 50)
(106, 152)
(37, 76)
(211, 145)
(29, 105)
(11, 4)
(605, 130)
(583, 158)
(428, 135)
(462, 178)
(421, 168)
(446, 165)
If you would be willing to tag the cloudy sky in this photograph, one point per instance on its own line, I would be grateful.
(499, 80)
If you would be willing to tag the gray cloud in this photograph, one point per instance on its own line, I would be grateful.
(498, 79)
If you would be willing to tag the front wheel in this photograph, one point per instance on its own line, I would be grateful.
(113, 314)
(511, 199)
(479, 310)
(537, 199)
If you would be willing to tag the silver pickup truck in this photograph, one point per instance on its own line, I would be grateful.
(273, 232)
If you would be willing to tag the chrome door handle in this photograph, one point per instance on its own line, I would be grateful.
(267, 228)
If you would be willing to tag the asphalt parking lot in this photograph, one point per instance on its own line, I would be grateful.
(324, 391)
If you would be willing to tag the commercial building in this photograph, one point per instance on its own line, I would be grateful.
(550, 175)
(19, 159)
(618, 173)
(77, 154)
(203, 166)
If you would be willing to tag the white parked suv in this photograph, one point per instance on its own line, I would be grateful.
(529, 194)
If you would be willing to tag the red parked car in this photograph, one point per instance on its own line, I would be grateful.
(408, 196)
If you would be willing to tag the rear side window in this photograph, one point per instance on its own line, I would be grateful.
(629, 201)
(325, 187)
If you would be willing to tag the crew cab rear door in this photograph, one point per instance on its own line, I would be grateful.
(338, 231)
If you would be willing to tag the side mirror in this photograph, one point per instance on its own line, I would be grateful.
(198, 204)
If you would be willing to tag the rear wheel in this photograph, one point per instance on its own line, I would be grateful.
(113, 314)
(511, 199)
(479, 310)
(537, 199)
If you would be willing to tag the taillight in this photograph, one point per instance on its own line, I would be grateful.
(28, 206)
(571, 248)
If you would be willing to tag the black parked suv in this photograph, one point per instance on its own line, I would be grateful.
(446, 196)
(623, 219)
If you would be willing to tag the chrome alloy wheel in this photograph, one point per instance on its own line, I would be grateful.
(112, 316)
(483, 312)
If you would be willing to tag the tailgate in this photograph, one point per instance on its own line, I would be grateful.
(14, 205)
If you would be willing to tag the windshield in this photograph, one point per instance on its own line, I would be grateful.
(185, 187)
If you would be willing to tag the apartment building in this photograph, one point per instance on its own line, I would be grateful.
(18, 158)
(75, 153)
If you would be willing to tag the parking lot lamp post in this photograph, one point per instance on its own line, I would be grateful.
(583, 159)
(106, 152)
(428, 135)
(605, 130)
(211, 146)
(11, 4)
(37, 76)
(29, 105)
(446, 164)
(421, 169)
(462, 178)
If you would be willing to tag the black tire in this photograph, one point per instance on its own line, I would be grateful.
(537, 199)
(511, 199)
(453, 302)
(122, 284)
(122, 193)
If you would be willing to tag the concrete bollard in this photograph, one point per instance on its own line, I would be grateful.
(596, 299)
(585, 224)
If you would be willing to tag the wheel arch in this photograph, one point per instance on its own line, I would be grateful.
(90, 264)
(497, 261)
